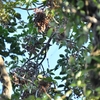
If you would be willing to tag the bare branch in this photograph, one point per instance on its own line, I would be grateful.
(43, 58)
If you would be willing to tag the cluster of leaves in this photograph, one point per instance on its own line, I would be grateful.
(70, 24)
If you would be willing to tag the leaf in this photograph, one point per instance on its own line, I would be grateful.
(88, 92)
(80, 4)
(57, 77)
(12, 29)
(18, 15)
(9, 39)
(78, 74)
(64, 78)
(20, 27)
(61, 55)
(61, 85)
(88, 59)
(98, 89)
(79, 83)
(41, 40)
(4, 53)
(48, 79)
(31, 97)
(13, 23)
(14, 57)
(49, 32)
(61, 30)
(96, 58)
(71, 60)
(63, 72)
(83, 38)
(73, 84)
(51, 73)
(1, 29)
(56, 67)
(69, 92)
(15, 96)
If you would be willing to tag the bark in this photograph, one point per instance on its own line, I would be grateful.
(5, 79)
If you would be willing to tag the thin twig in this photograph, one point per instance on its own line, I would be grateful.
(46, 93)
(28, 8)
(28, 13)
(43, 58)
(55, 21)
(43, 69)
(48, 63)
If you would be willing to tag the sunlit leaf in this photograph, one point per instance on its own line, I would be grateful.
(68, 92)
(79, 82)
(88, 92)
(71, 60)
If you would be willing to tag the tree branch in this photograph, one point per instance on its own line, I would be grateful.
(49, 40)
(28, 8)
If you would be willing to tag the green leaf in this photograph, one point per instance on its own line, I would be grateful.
(56, 67)
(12, 29)
(80, 4)
(20, 27)
(48, 79)
(79, 74)
(83, 38)
(18, 15)
(96, 58)
(1, 29)
(88, 59)
(13, 23)
(88, 92)
(61, 85)
(61, 30)
(98, 89)
(14, 57)
(51, 73)
(31, 97)
(71, 60)
(57, 77)
(9, 39)
(49, 32)
(61, 55)
(63, 72)
(4, 53)
(73, 84)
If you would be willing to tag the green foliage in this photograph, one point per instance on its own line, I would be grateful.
(74, 26)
